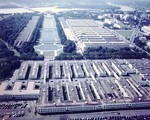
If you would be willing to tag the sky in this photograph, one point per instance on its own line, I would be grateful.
(79, 1)
(60, 2)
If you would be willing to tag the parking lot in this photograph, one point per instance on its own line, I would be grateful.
(12, 110)
(114, 115)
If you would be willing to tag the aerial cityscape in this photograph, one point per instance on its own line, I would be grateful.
(74, 60)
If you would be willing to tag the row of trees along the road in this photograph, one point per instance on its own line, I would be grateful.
(108, 53)
(8, 61)
(104, 53)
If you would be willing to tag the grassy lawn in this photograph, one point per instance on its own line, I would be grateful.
(125, 33)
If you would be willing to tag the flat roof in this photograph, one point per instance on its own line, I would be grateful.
(16, 89)
(90, 32)
(86, 86)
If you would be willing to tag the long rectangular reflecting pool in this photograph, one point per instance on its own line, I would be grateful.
(49, 43)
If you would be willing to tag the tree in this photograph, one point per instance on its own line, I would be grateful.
(69, 47)
(5, 72)
(64, 117)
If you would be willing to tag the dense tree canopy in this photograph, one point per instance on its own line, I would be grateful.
(12, 26)
(8, 62)
(142, 44)
(104, 53)
(69, 56)
(108, 53)
(69, 47)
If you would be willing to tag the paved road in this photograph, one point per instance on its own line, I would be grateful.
(128, 113)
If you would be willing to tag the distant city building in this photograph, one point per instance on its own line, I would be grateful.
(100, 17)
(108, 21)
(146, 30)
(148, 44)
(117, 26)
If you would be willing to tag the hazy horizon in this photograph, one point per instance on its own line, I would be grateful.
(80, 1)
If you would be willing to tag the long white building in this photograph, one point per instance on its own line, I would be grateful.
(146, 30)
(89, 33)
